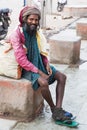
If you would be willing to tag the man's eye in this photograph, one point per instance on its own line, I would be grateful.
(36, 20)
(31, 19)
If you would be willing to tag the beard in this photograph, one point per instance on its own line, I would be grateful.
(30, 29)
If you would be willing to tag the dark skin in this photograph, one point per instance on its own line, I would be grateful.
(42, 80)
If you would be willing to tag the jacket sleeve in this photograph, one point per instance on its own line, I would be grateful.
(20, 53)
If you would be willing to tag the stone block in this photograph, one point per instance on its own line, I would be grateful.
(74, 11)
(81, 28)
(18, 100)
(64, 47)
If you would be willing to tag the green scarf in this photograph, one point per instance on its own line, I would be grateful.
(34, 57)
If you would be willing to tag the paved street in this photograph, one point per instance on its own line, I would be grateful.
(75, 98)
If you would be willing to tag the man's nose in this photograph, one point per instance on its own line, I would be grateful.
(34, 22)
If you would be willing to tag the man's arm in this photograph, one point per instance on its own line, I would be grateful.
(20, 53)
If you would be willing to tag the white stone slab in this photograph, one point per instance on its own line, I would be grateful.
(73, 25)
(82, 20)
(66, 35)
(82, 117)
(6, 124)
(60, 67)
(76, 6)
(83, 66)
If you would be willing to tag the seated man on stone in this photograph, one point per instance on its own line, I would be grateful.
(34, 62)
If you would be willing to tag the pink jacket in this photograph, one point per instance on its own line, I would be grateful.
(17, 40)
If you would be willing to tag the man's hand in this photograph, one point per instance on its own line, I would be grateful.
(43, 75)
(49, 70)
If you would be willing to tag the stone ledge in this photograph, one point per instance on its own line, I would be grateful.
(18, 100)
(81, 28)
(64, 47)
(74, 10)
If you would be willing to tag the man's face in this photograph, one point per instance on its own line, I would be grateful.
(33, 22)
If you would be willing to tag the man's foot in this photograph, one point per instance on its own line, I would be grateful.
(68, 114)
(59, 114)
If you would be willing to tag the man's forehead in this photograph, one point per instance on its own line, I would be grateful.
(34, 16)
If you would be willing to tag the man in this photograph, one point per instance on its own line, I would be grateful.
(34, 60)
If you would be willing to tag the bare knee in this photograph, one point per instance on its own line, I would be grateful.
(43, 83)
(44, 86)
(60, 77)
(63, 77)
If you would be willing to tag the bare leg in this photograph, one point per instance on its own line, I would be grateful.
(61, 80)
(46, 92)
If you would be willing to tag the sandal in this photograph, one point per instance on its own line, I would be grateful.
(73, 124)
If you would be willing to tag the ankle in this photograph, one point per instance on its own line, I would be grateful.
(52, 108)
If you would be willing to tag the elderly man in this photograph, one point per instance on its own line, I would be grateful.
(34, 60)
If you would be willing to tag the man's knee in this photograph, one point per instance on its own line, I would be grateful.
(44, 86)
(43, 83)
(63, 77)
(60, 77)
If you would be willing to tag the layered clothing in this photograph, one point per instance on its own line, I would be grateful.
(35, 56)
(17, 39)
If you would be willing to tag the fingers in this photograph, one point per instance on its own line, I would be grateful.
(49, 71)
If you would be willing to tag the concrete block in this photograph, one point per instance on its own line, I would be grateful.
(64, 48)
(74, 11)
(18, 100)
(81, 28)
